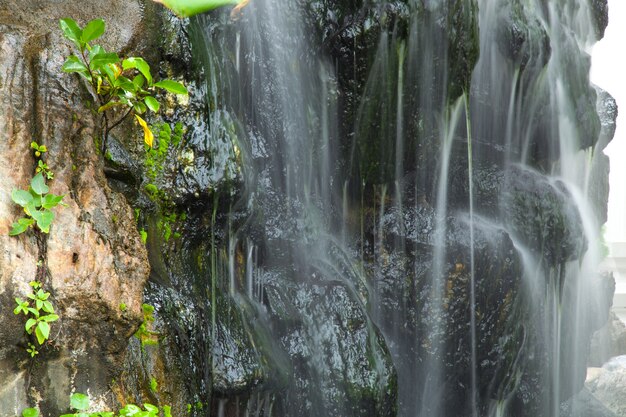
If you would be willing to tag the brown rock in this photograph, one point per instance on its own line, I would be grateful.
(95, 257)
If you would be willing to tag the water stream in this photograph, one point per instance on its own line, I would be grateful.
(417, 234)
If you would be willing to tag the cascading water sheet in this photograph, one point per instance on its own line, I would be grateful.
(418, 238)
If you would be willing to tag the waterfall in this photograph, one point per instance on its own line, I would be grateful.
(414, 235)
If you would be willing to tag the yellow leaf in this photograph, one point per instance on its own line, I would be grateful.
(148, 137)
(236, 12)
(116, 70)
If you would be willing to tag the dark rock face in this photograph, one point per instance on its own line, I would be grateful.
(408, 310)
(336, 352)
(600, 10)
(543, 216)
(313, 319)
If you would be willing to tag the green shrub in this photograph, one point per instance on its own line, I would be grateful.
(122, 86)
(39, 313)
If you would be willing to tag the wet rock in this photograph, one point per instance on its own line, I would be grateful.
(340, 362)
(584, 404)
(427, 330)
(238, 365)
(608, 385)
(608, 342)
(607, 111)
(600, 12)
(522, 36)
(543, 216)
(372, 44)
(599, 177)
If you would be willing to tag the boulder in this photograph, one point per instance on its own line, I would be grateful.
(608, 342)
(608, 385)
(543, 215)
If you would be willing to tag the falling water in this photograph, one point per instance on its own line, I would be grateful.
(413, 213)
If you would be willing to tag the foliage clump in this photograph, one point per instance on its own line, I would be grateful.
(80, 403)
(37, 202)
(144, 332)
(122, 87)
(39, 315)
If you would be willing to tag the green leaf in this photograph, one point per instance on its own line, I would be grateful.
(127, 85)
(95, 50)
(42, 331)
(30, 412)
(72, 32)
(38, 184)
(29, 324)
(110, 72)
(152, 103)
(93, 30)
(74, 64)
(139, 81)
(49, 318)
(47, 307)
(139, 107)
(151, 408)
(124, 100)
(79, 401)
(172, 86)
(21, 197)
(50, 201)
(38, 304)
(20, 226)
(129, 410)
(167, 411)
(22, 306)
(25, 221)
(139, 64)
(44, 219)
(102, 59)
(36, 203)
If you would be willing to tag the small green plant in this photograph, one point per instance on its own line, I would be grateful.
(80, 403)
(144, 334)
(122, 86)
(32, 350)
(44, 169)
(156, 156)
(37, 203)
(39, 149)
(30, 412)
(39, 312)
(154, 385)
